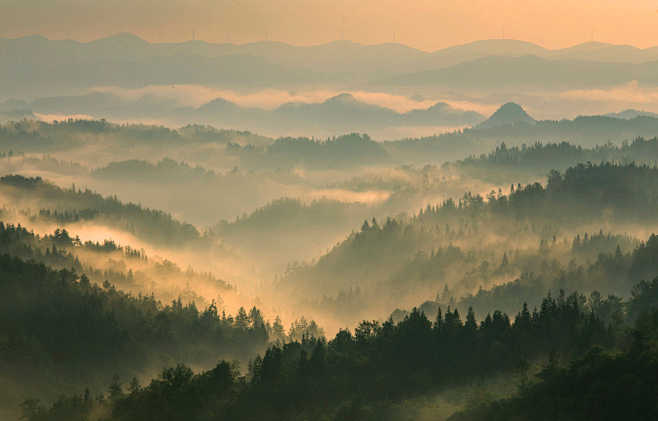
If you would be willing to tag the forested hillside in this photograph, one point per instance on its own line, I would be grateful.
(521, 242)
(328, 211)
(506, 162)
(222, 148)
(61, 332)
(129, 269)
(359, 375)
(51, 203)
(600, 385)
(518, 282)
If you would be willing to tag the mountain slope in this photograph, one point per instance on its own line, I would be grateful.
(508, 114)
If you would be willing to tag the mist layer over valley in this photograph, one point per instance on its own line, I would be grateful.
(339, 232)
(389, 90)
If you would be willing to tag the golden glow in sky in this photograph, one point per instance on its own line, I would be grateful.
(424, 24)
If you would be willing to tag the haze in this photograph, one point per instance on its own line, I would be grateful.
(423, 24)
(340, 211)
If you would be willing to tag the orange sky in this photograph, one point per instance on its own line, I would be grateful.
(425, 24)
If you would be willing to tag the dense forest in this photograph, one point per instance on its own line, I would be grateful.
(33, 135)
(600, 385)
(129, 269)
(61, 331)
(211, 147)
(534, 239)
(188, 273)
(357, 375)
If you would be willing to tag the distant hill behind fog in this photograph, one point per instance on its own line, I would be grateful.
(342, 112)
(508, 114)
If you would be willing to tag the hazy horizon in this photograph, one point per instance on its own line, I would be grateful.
(424, 25)
(183, 40)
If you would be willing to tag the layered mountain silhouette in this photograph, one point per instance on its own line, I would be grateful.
(342, 112)
(527, 71)
(35, 66)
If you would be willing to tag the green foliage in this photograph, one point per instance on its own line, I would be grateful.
(352, 374)
(599, 386)
(59, 330)
(60, 251)
(66, 135)
(644, 299)
(461, 242)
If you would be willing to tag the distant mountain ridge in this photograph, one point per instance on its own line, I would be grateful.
(527, 72)
(127, 42)
(35, 66)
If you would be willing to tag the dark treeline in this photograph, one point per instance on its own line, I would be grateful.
(350, 150)
(74, 205)
(355, 375)
(251, 151)
(598, 386)
(581, 131)
(39, 136)
(18, 241)
(584, 191)
(60, 331)
(539, 158)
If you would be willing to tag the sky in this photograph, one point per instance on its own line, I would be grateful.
(423, 24)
